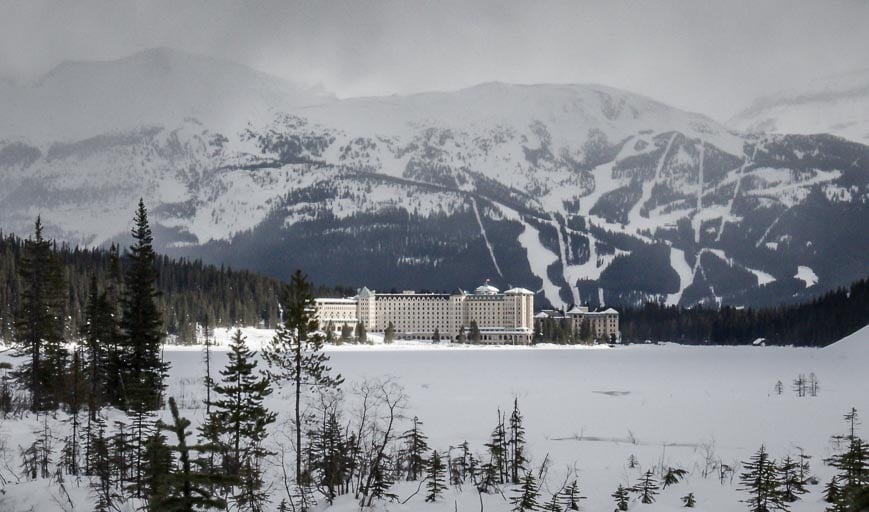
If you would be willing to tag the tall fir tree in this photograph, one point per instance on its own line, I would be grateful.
(39, 323)
(527, 495)
(238, 414)
(647, 488)
(415, 448)
(516, 444)
(295, 353)
(141, 324)
(761, 482)
(436, 474)
(621, 498)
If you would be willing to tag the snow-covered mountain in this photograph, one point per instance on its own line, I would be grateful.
(838, 105)
(583, 192)
(161, 86)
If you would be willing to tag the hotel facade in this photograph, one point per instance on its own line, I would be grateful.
(501, 317)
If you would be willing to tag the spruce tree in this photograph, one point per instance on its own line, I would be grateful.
(436, 336)
(853, 463)
(516, 444)
(792, 485)
(621, 498)
(688, 501)
(474, 335)
(361, 333)
(760, 481)
(389, 333)
(187, 489)
(238, 413)
(647, 488)
(39, 323)
(673, 476)
(527, 495)
(295, 353)
(142, 326)
(497, 447)
(571, 496)
(435, 472)
(415, 447)
(156, 467)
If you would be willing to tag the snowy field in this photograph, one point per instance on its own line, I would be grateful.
(589, 409)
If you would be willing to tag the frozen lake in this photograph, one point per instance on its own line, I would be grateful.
(595, 408)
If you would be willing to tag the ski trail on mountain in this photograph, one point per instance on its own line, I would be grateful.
(748, 161)
(635, 220)
(571, 283)
(539, 257)
(699, 193)
(766, 233)
(686, 274)
(485, 237)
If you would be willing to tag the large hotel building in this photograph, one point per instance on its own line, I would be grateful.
(502, 317)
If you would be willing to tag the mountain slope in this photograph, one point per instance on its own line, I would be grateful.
(161, 86)
(582, 192)
(838, 105)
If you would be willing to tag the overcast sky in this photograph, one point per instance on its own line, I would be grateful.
(707, 56)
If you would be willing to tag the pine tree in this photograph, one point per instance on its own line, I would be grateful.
(100, 334)
(632, 461)
(673, 476)
(571, 496)
(526, 495)
(346, 334)
(688, 501)
(778, 388)
(462, 337)
(238, 413)
(156, 467)
(141, 324)
(331, 457)
(436, 336)
(415, 447)
(295, 352)
(853, 463)
(792, 485)
(474, 335)
(516, 444)
(621, 498)
(187, 489)
(39, 323)
(389, 333)
(647, 488)
(759, 480)
(435, 482)
(361, 333)
(497, 447)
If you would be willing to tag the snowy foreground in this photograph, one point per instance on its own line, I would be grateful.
(681, 406)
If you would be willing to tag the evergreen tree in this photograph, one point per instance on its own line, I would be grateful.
(141, 324)
(389, 333)
(462, 337)
(415, 447)
(759, 480)
(187, 489)
(156, 467)
(621, 498)
(435, 482)
(497, 447)
(571, 497)
(346, 334)
(39, 323)
(673, 476)
(295, 352)
(474, 335)
(585, 334)
(647, 488)
(792, 485)
(516, 444)
(238, 414)
(688, 501)
(361, 333)
(853, 463)
(436, 336)
(526, 496)
(100, 334)
(331, 453)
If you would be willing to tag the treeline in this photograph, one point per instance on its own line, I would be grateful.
(190, 291)
(820, 322)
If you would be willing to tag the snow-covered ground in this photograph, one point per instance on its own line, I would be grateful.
(591, 409)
